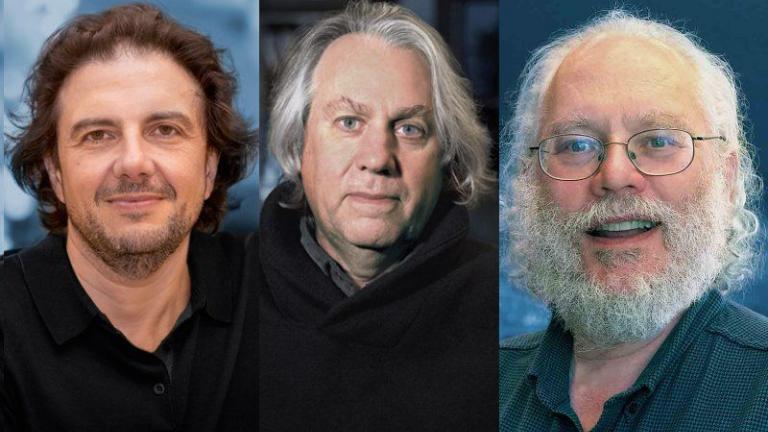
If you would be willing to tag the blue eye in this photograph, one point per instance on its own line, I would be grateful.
(348, 123)
(410, 131)
(579, 146)
(659, 142)
(576, 145)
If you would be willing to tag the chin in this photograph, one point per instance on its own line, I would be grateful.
(372, 236)
(613, 267)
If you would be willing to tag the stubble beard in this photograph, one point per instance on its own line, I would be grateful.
(137, 255)
(620, 309)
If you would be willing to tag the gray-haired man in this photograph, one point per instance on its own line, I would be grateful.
(377, 311)
(629, 219)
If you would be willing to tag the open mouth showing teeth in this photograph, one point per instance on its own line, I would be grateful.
(623, 229)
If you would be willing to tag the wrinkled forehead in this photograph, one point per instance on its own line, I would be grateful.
(623, 80)
(369, 52)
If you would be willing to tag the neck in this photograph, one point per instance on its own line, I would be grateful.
(145, 309)
(362, 265)
(599, 374)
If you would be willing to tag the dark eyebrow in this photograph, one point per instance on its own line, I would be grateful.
(107, 122)
(413, 111)
(345, 102)
(91, 122)
(171, 115)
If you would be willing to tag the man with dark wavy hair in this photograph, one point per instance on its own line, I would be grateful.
(127, 316)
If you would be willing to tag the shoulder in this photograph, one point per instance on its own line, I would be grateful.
(476, 248)
(480, 259)
(516, 355)
(9, 262)
(12, 272)
(742, 327)
(251, 260)
(477, 267)
(224, 241)
(228, 248)
(252, 243)
(526, 342)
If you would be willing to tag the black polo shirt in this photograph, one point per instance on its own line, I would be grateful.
(65, 367)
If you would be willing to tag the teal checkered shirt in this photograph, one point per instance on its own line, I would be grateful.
(711, 374)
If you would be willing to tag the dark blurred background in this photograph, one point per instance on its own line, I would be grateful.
(734, 30)
(470, 27)
(231, 24)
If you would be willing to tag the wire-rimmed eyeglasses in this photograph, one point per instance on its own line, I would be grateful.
(654, 152)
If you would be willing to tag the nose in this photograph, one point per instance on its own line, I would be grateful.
(377, 152)
(617, 174)
(134, 160)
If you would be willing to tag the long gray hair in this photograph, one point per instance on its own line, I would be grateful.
(720, 96)
(464, 140)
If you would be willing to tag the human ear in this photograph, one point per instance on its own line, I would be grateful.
(211, 168)
(53, 171)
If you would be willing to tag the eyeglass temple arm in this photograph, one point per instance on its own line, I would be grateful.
(720, 137)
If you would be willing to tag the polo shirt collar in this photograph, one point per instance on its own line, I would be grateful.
(550, 369)
(67, 310)
(55, 289)
(691, 325)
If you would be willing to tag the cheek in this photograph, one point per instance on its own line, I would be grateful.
(185, 174)
(569, 196)
(81, 176)
(675, 188)
(324, 163)
(307, 171)
(426, 179)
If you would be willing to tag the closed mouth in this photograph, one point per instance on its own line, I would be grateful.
(131, 199)
(373, 196)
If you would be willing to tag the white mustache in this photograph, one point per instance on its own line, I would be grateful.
(612, 206)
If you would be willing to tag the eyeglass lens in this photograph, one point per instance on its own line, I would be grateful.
(653, 152)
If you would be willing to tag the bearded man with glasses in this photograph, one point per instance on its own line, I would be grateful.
(629, 195)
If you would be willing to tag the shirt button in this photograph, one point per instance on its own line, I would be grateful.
(632, 408)
(158, 388)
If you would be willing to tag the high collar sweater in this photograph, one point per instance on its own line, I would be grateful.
(413, 350)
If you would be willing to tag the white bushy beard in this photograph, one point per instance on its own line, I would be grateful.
(546, 242)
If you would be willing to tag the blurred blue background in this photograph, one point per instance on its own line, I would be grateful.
(734, 30)
(231, 24)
